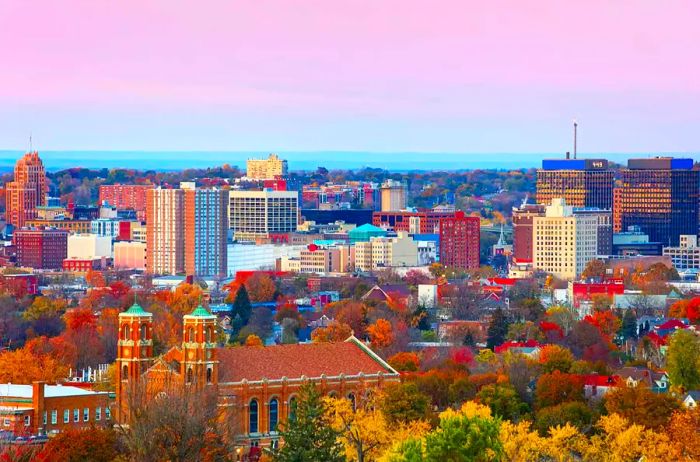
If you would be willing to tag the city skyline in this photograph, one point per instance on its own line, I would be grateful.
(475, 78)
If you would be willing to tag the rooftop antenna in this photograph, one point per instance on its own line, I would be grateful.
(575, 135)
(30, 142)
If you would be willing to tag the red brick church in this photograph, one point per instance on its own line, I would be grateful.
(261, 381)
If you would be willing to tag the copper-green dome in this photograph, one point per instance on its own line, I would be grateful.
(201, 312)
(136, 310)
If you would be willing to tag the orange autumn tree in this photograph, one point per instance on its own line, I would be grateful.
(334, 332)
(253, 340)
(381, 334)
(25, 366)
(405, 361)
(261, 288)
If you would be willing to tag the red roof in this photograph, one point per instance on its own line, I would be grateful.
(296, 360)
(656, 339)
(503, 281)
(512, 344)
(600, 380)
(671, 324)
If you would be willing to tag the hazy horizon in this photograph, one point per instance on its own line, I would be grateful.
(55, 160)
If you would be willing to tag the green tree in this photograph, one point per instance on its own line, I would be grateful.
(241, 305)
(683, 362)
(404, 402)
(498, 329)
(629, 325)
(462, 438)
(575, 413)
(503, 400)
(308, 436)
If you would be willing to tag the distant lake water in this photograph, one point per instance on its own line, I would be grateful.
(396, 161)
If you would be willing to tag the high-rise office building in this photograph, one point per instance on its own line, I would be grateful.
(660, 195)
(460, 241)
(266, 169)
(27, 191)
(563, 242)
(186, 231)
(523, 221)
(393, 196)
(254, 214)
(581, 182)
(414, 222)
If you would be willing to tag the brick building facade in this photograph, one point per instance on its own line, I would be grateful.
(261, 383)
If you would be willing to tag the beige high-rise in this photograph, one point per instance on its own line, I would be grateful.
(266, 169)
(564, 242)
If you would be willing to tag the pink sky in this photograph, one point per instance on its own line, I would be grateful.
(462, 76)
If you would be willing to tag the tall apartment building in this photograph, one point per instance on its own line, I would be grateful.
(266, 169)
(41, 248)
(581, 182)
(386, 252)
(126, 197)
(393, 196)
(660, 195)
(418, 222)
(460, 241)
(186, 231)
(27, 191)
(206, 231)
(564, 242)
(254, 214)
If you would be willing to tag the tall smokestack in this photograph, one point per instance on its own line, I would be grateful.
(575, 135)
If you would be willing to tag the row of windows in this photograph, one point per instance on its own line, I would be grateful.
(76, 415)
(273, 412)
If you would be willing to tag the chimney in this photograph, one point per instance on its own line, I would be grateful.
(568, 156)
(37, 425)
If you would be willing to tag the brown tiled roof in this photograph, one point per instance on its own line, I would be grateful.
(297, 360)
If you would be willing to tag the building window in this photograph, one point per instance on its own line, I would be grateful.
(209, 372)
(6, 422)
(273, 414)
(209, 335)
(144, 331)
(253, 416)
(108, 413)
(127, 333)
(189, 375)
(66, 415)
(98, 413)
(86, 414)
(125, 372)
(190, 335)
(46, 417)
(292, 411)
(27, 420)
(54, 417)
(76, 415)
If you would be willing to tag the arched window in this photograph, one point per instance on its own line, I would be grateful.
(292, 411)
(209, 371)
(190, 335)
(127, 332)
(353, 401)
(273, 414)
(209, 334)
(125, 372)
(189, 375)
(144, 331)
(253, 416)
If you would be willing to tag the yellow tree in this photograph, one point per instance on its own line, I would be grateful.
(364, 432)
